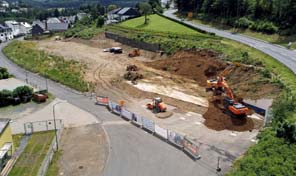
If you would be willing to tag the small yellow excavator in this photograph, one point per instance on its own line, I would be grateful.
(157, 105)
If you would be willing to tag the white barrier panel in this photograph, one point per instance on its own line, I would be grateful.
(161, 132)
(137, 119)
(148, 124)
(116, 108)
(110, 105)
(126, 114)
(175, 138)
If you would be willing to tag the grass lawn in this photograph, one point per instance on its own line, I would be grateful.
(158, 23)
(16, 140)
(31, 159)
(53, 168)
(26, 54)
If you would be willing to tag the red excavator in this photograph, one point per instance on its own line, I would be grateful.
(220, 86)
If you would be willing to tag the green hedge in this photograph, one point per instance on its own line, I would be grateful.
(8, 97)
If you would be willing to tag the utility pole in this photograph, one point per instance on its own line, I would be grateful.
(218, 165)
(27, 77)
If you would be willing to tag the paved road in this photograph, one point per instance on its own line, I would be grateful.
(285, 56)
(132, 151)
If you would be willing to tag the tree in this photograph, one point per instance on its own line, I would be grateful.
(111, 7)
(145, 9)
(56, 13)
(100, 21)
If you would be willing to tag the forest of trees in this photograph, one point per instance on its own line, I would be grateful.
(268, 16)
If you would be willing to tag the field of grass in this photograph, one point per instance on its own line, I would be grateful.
(159, 24)
(26, 54)
(83, 32)
(31, 159)
(16, 140)
(273, 155)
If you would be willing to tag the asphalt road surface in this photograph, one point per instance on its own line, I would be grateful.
(285, 56)
(133, 152)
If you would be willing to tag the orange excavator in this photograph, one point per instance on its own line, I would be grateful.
(219, 86)
(157, 105)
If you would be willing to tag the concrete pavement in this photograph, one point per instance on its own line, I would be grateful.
(283, 55)
(132, 151)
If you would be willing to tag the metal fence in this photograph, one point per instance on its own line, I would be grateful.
(182, 142)
(133, 43)
(39, 126)
(52, 149)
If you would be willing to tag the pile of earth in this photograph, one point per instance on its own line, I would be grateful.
(201, 65)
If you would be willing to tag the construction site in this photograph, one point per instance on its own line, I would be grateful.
(179, 87)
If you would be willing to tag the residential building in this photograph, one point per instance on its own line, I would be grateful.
(50, 25)
(2, 10)
(56, 25)
(15, 11)
(6, 142)
(81, 15)
(38, 28)
(4, 4)
(5, 33)
(122, 14)
(18, 28)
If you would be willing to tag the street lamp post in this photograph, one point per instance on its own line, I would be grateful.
(54, 121)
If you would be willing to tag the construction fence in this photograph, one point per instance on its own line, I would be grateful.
(182, 142)
(133, 43)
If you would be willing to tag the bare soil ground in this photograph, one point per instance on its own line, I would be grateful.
(186, 71)
(201, 65)
(86, 157)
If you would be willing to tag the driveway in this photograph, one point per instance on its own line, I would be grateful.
(283, 55)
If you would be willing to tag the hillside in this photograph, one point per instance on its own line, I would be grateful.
(76, 3)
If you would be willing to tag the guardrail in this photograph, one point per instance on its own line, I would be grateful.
(182, 142)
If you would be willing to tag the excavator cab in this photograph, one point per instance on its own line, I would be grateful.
(235, 109)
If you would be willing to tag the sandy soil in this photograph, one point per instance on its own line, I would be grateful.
(85, 157)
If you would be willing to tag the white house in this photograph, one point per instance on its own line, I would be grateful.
(5, 33)
(56, 25)
(121, 14)
(18, 28)
(4, 4)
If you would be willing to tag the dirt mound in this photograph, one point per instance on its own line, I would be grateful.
(196, 65)
(217, 120)
(201, 65)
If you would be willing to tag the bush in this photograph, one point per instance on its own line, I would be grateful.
(3, 73)
(264, 26)
(22, 91)
(5, 95)
(100, 21)
(243, 23)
